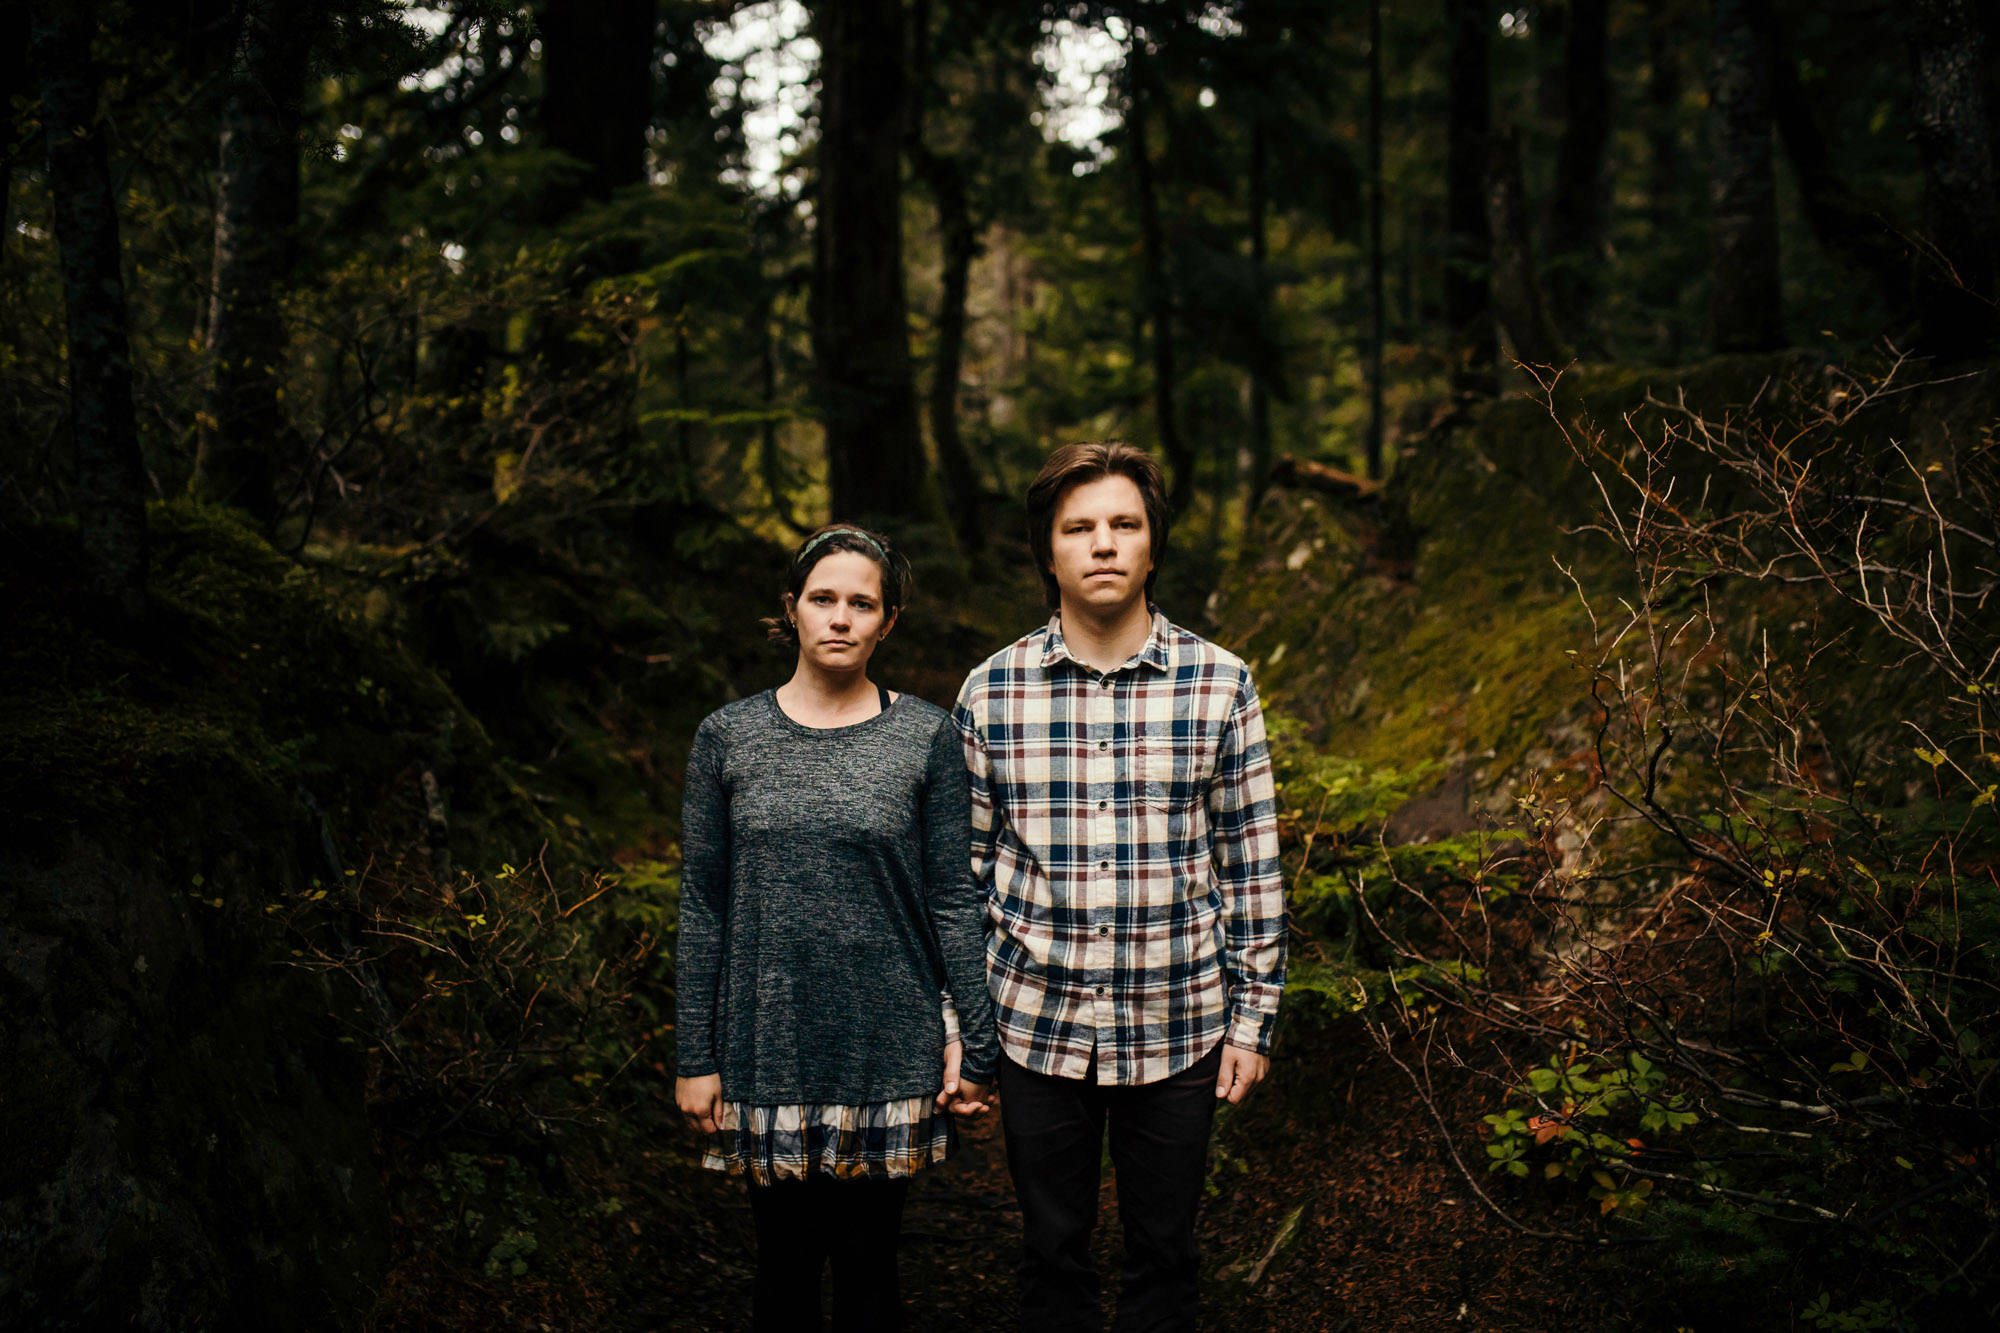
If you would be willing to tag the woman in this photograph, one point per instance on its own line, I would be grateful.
(828, 923)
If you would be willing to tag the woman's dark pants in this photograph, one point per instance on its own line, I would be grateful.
(801, 1224)
(1159, 1152)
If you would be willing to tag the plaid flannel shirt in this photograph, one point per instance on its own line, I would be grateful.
(1124, 836)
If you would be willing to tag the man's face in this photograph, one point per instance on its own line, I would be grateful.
(1101, 549)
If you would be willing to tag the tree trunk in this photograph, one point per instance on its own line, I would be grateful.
(1955, 273)
(1576, 212)
(1159, 295)
(861, 350)
(1846, 227)
(959, 242)
(597, 93)
(1260, 391)
(771, 463)
(1468, 246)
(256, 214)
(1745, 306)
(13, 82)
(110, 478)
(1517, 294)
(1377, 316)
(960, 245)
(1663, 131)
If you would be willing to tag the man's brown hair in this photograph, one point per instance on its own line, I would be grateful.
(1090, 460)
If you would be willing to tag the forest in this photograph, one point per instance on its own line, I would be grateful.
(1583, 416)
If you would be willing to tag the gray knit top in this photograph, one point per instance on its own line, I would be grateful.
(826, 903)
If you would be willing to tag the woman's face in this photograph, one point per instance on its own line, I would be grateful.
(839, 615)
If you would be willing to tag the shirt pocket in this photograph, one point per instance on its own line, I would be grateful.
(1174, 772)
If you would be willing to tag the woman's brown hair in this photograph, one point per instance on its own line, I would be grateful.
(1074, 464)
(820, 544)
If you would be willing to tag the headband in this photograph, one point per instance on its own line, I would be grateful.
(831, 533)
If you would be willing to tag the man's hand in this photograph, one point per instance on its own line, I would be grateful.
(700, 1100)
(958, 1096)
(1241, 1071)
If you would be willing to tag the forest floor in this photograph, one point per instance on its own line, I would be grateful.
(1387, 1237)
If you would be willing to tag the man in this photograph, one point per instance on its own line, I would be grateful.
(1125, 838)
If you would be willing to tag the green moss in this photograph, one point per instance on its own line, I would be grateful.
(1435, 624)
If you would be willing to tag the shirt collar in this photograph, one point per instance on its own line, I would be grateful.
(1154, 654)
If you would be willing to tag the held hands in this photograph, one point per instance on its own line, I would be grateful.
(959, 1097)
(700, 1100)
(1241, 1071)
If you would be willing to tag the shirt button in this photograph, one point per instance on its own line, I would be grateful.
(1107, 682)
(1104, 930)
(1100, 990)
(1102, 804)
(1104, 865)
(1103, 744)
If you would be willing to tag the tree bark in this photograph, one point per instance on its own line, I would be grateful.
(1955, 273)
(1745, 306)
(1576, 212)
(110, 477)
(861, 350)
(13, 81)
(1159, 294)
(1517, 293)
(1663, 103)
(256, 216)
(1377, 314)
(1260, 390)
(1468, 245)
(597, 93)
(944, 176)
(1847, 228)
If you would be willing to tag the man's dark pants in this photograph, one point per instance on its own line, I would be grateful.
(1159, 1152)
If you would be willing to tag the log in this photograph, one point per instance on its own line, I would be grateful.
(1303, 474)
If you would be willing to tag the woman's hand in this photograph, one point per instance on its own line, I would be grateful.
(700, 1100)
(958, 1096)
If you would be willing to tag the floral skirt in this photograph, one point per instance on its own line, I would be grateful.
(769, 1143)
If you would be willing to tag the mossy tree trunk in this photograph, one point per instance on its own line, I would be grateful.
(256, 215)
(1956, 271)
(1745, 307)
(1468, 310)
(110, 477)
(860, 310)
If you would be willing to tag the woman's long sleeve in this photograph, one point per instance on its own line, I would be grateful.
(956, 910)
(704, 902)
